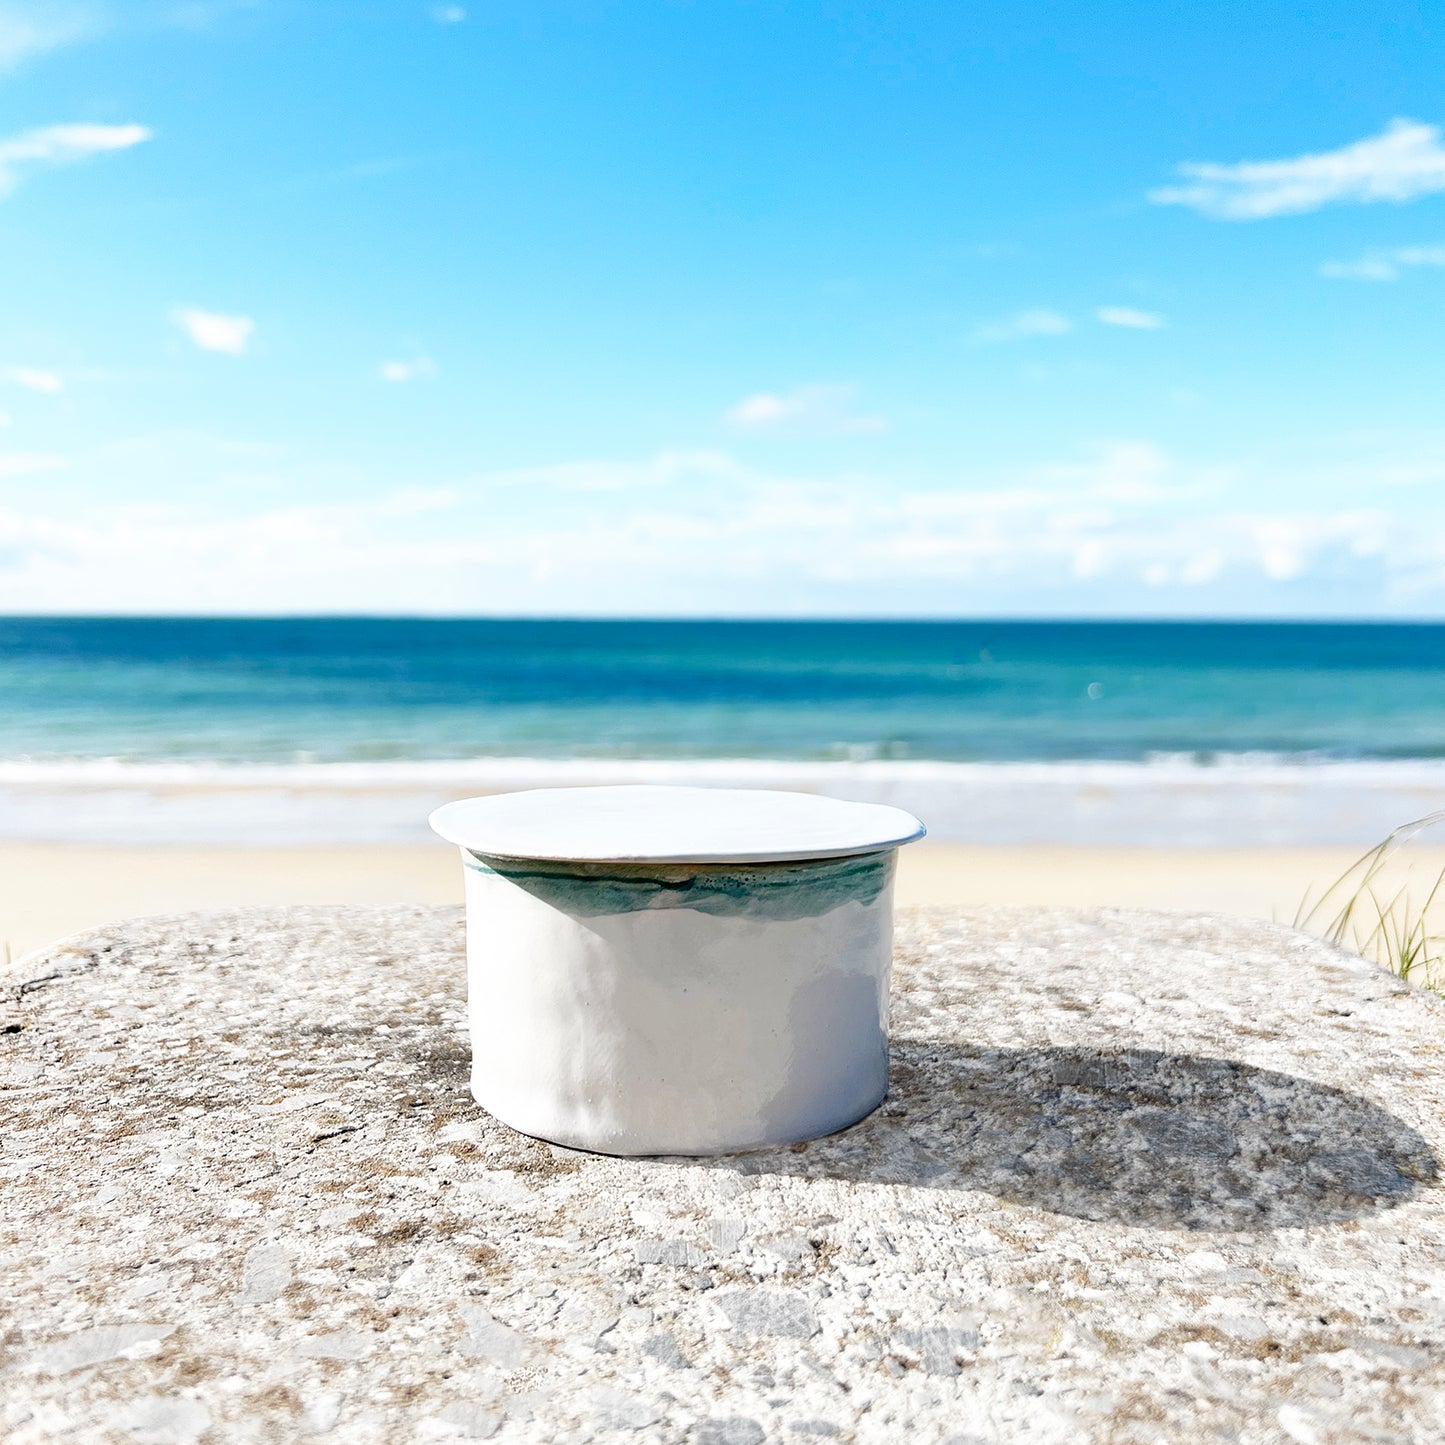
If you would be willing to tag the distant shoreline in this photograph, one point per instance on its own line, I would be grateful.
(497, 773)
(1168, 802)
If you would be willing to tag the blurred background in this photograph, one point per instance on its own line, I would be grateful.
(1027, 414)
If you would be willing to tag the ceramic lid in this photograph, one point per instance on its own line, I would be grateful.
(671, 825)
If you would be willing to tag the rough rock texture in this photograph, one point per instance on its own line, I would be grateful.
(1139, 1178)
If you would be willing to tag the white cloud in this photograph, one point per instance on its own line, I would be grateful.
(198, 14)
(35, 29)
(1280, 554)
(1126, 471)
(1367, 268)
(32, 378)
(5, 418)
(1404, 161)
(1202, 567)
(1126, 528)
(1025, 324)
(448, 14)
(212, 331)
(415, 501)
(1127, 316)
(662, 470)
(1384, 265)
(418, 367)
(60, 145)
(816, 410)
(1360, 462)
(23, 464)
(30, 28)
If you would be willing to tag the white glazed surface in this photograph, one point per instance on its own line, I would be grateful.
(672, 1030)
(664, 824)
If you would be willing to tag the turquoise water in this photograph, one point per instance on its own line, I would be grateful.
(379, 691)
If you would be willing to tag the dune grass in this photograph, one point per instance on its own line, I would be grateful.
(1373, 910)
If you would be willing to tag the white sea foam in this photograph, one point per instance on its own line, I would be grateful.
(1175, 799)
(499, 773)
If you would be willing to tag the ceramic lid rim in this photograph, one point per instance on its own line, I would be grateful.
(862, 828)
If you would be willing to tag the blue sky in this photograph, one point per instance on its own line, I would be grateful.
(716, 308)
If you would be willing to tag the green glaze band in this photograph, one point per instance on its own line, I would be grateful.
(772, 891)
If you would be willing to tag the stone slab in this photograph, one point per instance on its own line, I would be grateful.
(1140, 1177)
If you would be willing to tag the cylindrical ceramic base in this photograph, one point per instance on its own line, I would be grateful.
(679, 1008)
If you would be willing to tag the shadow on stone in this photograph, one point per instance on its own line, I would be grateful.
(1139, 1137)
(1135, 1137)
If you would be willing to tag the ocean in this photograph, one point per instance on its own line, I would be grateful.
(345, 729)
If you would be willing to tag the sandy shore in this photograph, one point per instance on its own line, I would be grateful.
(50, 890)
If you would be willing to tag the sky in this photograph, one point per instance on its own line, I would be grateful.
(731, 307)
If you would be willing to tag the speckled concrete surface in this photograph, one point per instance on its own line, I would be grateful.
(1140, 1178)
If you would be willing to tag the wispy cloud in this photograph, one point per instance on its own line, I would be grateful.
(1124, 527)
(417, 369)
(598, 475)
(1023, 325)
(825, 410)
(1384, 265)
(1404, 161)
(197, 14)
(33, 378)
(1127, 316)
(416, 501)
(61, 145)
(23, 464)
(448, 14)
(213, 331)
(31, 28)
(1128, 471)
(35, 29)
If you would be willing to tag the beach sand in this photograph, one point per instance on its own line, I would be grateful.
(50, 890)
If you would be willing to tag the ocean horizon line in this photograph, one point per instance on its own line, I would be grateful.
(944, 619)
